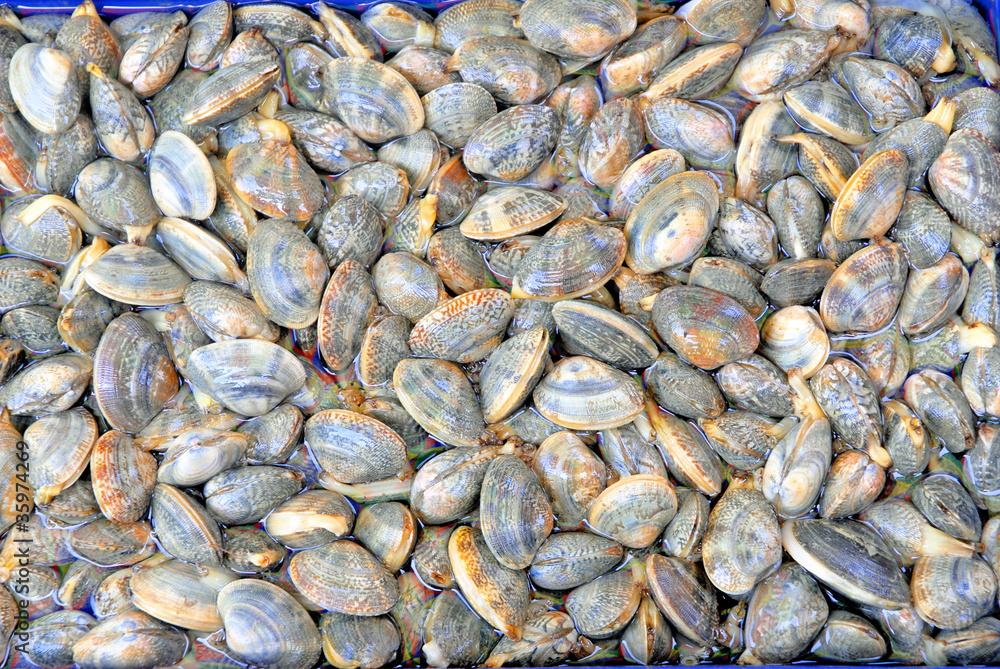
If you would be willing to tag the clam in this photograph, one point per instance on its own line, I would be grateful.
(251, 550)
(923, 228)
(872, 198)
(746, 233)
(18, 154)
(350, 82)
(703, 135)
(508, 211)
(122, 477)
(51, 637)
(836, 551)
(932, 295)
(453, 111)
(595, 331)
(273, 436)
(697, 73)
(583, 393)
(825, 162)
(853, 483)
(344, 577)
(491, 152)
(130, 634)
(762, 159)
(978, 109)
(438, 395)
(888, 92)
(265, 625)
(59, 445)
(640, 177)
(468, 20)
(45, 87)
(947, 506)
(197, 455)
(706, 328)
(181, 594)
(389, 531)
(570, 559)
(249, 376)
(117, 197)
(782, 59)
(796, 282)
(825, 107)
(181, 178)
(109, 544)
(909, 534)
(337, 436)
(921, 139)
(634, 510)
(347, 307)
(463, 329)
(603, 607)
(210, 32)
(964, 180)
(952, 592)
(183, 526)
(680, 592)
(47, 228)
(784, 614)
(612, 140)
(121, 123)
(577, 30)
(943, 409)
(62, 156)
(34, 328)
(863, 292)
(743, 439)
(247, 494)
(407, 285)
(48, 386)
(685, 450)
(633, 63)
(383, 346)
(454, 634)
(223, 313)
(511, 372)
(200, 253)
(514, 511)
(847, 396)
(797, 211)
(512, 70)
(447, 486)
(980, 383)
(355, 641)
(904, 438)
(287, 274)
(231, 92)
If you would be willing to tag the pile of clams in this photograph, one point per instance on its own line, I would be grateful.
(563, 331)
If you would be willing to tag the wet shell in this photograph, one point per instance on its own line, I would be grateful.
(850, 558)
(246, 494)
(249, 376)
(137, 275)
(457, 24)
(634, 510)
(853, 483)
(251, 550)
(347, 307)
(640, 177)
(134, 635)
(311, 519)
(508, 211)
(223, 313)
(211, 30)
(407, 285)
(463, 329)
(45, 87)
(123, 126)
(180, 177)
(784, 614)
(455, 110)
(200, 253)
(780, 60)
(847, 396)
(51, 637)
(947, 505)
(573, 258)
(701, 134)
(511, 372)
(117, 197)
(59, 446)
(683, 207)
(942, 408)
(613, 138)
(109, 544)
(287, 274)
(923, 228)
(685, 450)
(705, 327)
(577, 30)
(46, 229)
(872, 198)
(498, 594)
(344, 577)
(741, 438)
(354, 448)
(439, 396)
(424, 67)
(183, 526)
(932, 295)
(133, 375)
(979, 109)
(585, 394)
(459, 261)
(453, 634)
(589, 329)
(510, 145)
(122, 476)
(48, 386)
(965, 179)
(797, 282)
(888, 93)
(389, 531)
(353, 87)
(231, 92)
(181, 594)
(34, 328)
(680, 593)
(197, 455)
(863, 292)
(512, 70)
(603, 607)
(514, 512)
(981, 382)
(761, 158)
(746, 233)
(905, 439)
(265, 626)
(353, 642)
(697, 73)
(952, 592)
(908, 532)
(742, 543)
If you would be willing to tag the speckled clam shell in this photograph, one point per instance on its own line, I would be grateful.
(703, 135)
(980, 381)
(784, 614)
(872, 198)
(613, 138)
(62, 156)
(26, 282)
(384, 344)
(498, 594)
(585, 394)
(197, 455)
(732, 277)
(979, 109)
(508, 146)
(265, 625)
(249, 376)
(923, 228)
(952, 592)
(825, 107)
(683, 389)
(351, 86)
(210, 31)
(47, 228)
(965, 179)
(406, 285)
(344, 577)
(324, 141)
(52, 636)
(634, 510)
(382, 184)
(640, 177)
(603, 607)
(942, 408)
(570, 559)
(687, 453)
(200, 253)
(797, 210)
(863, 292)
(59, 446)
(779, 60)
(348, 36)
(706, 328)
(741, 438)
(250, 550)
(440, 398)
(680, 593)
(347, 308)
(573, 258)
(888, 92)
(447, 486)
(183, 526)
(794, 338)
(336, 437)
(137, 275)
(514, 512)
(512, 70)
(181, 594)
(389, 531)
(592, 330)
(122, 477)
(169, 106)
(465, 328)
(577, 30)
(356, 641)
(274, 178)
(692, 202)
(223, 313)
(117, 197)
(904, 438)
(349, 229)
(418, 155)
(796, 282)
(34, 328)
(247, 494)
(314, 518)
(121, 123)
(847, 396)
(837, 551)
(932, 295)
(181, 178)
(457, 24)
(18, 154)
(131, 634)
(508, 211)
(48, 386)
(425, 67)
(696, 74)
(459, 262)
(511, 372)
(945, 502)
(45, 87)
(746, 233)
(761, 159)
(133, 374)
(231, 92)
(453, 633)
(109, 544)
(273, 436)
(455, 110)
(287, 274)
(742, 541)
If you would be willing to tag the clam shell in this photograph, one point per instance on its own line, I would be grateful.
(197, 455)
(454, 111)
(761, 158)
(463, 329)
(354, 87)
(688, 604)
(389, 531)
(52, 636)
(508, 211)
(570, 559)
(585, 394)
(868, 79)
(684, 206)
(863, 292)
(117, 197)
(200, 253)
(247, 494)
(345, 578)
(347, 308)
(273, 178)
(251, 550)
(634, 510)
(133, 375)
(696, 74)
(130, 634)
(383, 346)
(249, 376)
(943, 409)
(123, 126)
(511, 372)
(794, 338)
(181, 594)
(951, 592)
(571, 475)
(701, 134)
(59, 446)
(180, 177)
(512, 70)
(491, 151)
(48, 386)
(687, 453)
(438, 395)
(46, 229)
(577, 30)
(447, 486)
(872, 198)
(514, 511)
(184, 528)
(211, 30)
(587, 329)
(287, 274)
(45, 87)
(459, 262)
(471, 19)
(223, 313)
(825, 107)
(355, 641)
(311, 519)
(349, 229)
(603, 607)
(354, 448)
(785, 612)
(705, 327)
(137, 275)
(231, 92)
(122, 476)
(453, 634)
(109, 544)
(965, 179)
(382, 184)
